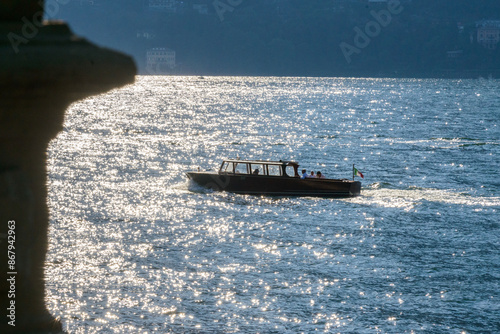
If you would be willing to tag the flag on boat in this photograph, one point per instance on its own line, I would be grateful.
(358, 173)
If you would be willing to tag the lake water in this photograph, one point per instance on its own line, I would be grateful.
(135, 248)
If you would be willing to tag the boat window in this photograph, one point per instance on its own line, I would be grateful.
(227, 167)
(290, 171)
(274, 170)
(257, 169)
(241, 168)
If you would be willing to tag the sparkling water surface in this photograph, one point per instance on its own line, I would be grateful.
(136, 248)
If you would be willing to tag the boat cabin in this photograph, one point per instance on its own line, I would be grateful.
(260, 167)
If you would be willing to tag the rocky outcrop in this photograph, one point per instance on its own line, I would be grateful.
(43, 69)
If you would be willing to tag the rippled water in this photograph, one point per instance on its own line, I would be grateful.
(134, 248)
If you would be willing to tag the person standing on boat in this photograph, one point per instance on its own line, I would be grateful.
(304, 174)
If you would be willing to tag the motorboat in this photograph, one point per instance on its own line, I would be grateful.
(272, 178)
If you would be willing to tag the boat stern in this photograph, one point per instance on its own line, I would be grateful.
(355, 188)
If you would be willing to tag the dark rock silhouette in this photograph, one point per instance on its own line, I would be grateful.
(43, 69)
(15, 10)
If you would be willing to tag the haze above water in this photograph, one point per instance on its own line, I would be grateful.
(135, 248)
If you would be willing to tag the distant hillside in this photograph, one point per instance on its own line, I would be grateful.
(419, 38)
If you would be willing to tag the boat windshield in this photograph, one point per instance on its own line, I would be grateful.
(227, 167)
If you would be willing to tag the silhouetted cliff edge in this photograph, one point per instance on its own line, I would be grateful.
(43, 68)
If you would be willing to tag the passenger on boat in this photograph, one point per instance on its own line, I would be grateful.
(312, 176)
(319, 175)
(256, 171)
(304, 174)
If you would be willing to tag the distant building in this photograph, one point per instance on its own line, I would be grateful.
(91, 2)
(160, 61)
(455, 54)
(201, 9)
(488, 33)
(145, 34)
(164, 5)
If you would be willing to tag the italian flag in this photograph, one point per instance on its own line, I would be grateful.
(358, 173)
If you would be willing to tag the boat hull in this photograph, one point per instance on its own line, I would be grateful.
(276, 186)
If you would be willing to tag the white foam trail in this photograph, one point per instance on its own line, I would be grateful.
(409, 198)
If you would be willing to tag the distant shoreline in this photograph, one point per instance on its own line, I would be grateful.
(441, 74)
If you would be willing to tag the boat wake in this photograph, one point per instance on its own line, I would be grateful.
(386, 195)
(194, 187)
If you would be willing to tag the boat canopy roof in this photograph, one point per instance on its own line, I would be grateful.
(265, 162)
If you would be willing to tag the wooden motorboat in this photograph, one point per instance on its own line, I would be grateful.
(273, 178)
